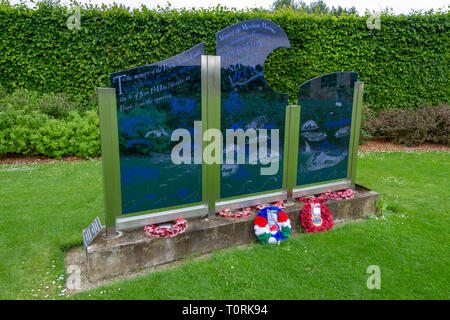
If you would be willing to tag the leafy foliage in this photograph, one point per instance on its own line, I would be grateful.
(55, 106)
(404, 64)
(411, 127)
(28, 131)
(46, 124)
(314, 7)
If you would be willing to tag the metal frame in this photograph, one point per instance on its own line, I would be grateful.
(210, 73)
(210, 81)
(291, 140)
(354, 133)
(110, 158)
(210, 120)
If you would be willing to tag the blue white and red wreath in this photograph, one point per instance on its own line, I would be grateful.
(272, 225)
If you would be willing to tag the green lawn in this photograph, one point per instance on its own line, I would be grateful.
(44, 207)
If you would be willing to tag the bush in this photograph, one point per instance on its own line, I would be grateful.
(405, 63)
(56, 106)
(411, 127)
(367, 115)
(47, 124)
(31, 132)
(3, 93)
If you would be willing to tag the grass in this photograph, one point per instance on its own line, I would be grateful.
(44, 207)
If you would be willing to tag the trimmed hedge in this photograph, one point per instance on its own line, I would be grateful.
(404, 64)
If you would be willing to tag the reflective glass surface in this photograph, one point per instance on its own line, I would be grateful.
(153, 101)
(325, 125)
(248, 102)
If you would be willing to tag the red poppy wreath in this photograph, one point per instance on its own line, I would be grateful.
(315, 217)
(167, 230)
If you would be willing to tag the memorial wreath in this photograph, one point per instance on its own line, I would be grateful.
(167, 230)
(247, 211)
(272, 225)
(315, 217)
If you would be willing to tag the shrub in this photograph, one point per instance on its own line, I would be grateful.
(31, 132)
(56, 106)
(367, 114)
(3, 93)
(411, 127)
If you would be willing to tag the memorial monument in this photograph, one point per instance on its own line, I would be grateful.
(193, 134)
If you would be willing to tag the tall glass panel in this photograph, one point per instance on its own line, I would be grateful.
(247, 102)
(152, 102)
(325, 127)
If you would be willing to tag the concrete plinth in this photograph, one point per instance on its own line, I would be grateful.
(135, 250)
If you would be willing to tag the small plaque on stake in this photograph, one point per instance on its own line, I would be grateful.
(90, 233)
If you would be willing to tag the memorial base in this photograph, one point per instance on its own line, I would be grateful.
(134, 250)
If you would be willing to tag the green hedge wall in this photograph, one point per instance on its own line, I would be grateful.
(404, 64)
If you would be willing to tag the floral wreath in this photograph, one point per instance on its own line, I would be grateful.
(272, 225)
(246, 212)
(167, 230)
(236, 215)
(329, 195)
(315, 217)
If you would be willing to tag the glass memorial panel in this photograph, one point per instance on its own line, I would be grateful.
(247, 102)
(153, 101)
(325, 126)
